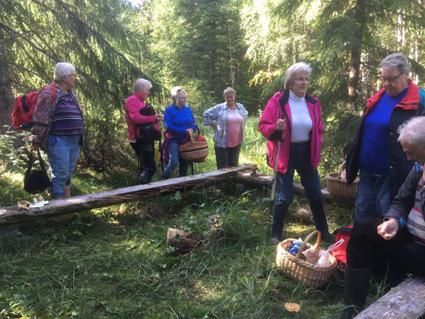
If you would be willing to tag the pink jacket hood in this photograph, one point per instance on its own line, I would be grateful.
(278, 107)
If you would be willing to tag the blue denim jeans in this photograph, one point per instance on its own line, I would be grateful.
(373, 197)
(63, 152)
(299, 160)
(174, 159)
(227, 156)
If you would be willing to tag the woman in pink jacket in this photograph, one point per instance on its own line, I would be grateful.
(143, 148)
(292, 124)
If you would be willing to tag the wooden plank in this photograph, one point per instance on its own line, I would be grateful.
(13, 215)
(267, 181)
(406, 301)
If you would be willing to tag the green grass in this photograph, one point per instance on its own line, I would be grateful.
(114, 263)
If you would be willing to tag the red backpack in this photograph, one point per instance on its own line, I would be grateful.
(24, 106)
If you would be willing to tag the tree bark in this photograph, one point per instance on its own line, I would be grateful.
(267, 181)
(6, 96)
(13, 215)
(356, 52)
(406, 301)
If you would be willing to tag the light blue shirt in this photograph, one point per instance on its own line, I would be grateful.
(218, 116)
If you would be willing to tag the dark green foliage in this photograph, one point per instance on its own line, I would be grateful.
(97, 38)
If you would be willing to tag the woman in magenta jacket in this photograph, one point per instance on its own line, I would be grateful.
(143, 148)
(292, 124)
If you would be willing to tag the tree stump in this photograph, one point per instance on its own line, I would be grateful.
(302, 215)
(182, 241)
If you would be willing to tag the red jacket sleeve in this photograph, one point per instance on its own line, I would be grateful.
(133, 106)
(267, 122)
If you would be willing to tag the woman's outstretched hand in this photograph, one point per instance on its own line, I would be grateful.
(388, 229)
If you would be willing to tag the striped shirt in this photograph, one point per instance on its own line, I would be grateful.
(415, 220)
(67, 118)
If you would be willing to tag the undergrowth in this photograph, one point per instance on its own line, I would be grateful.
(113, 262)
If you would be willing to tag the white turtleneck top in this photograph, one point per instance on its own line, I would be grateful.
(301, 121)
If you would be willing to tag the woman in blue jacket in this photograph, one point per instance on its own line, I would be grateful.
(180, 124)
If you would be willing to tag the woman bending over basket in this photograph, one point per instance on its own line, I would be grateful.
(292, 124)
(179, 124)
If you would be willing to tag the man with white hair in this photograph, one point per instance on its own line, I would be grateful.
(396, 239)
(375, 150)
(58, 126)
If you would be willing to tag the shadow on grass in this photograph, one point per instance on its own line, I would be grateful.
(113, 263)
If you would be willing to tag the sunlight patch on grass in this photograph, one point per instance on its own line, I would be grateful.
(13, 177)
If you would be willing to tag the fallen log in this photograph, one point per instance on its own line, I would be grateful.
(182, 241)
(15, 214)
(406, 301)
(267, 181)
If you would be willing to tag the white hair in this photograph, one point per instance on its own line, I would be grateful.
(396, 61)
(63, 69)
(175, 91)
(413, 131)
(294, 69)
(142, 83)
(229, 90)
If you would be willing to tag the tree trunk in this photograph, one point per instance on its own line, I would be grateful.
(406, 301)
(6, 96)
(13, 215)
(356, 52)
(267, 181)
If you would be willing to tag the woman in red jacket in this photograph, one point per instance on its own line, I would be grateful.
(143, 148)
(292, 124)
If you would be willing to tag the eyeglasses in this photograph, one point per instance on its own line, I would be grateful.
(390, 79)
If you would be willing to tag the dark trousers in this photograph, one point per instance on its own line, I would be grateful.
(367, 249)
(145, 155)
(227, 156)
(299, 160)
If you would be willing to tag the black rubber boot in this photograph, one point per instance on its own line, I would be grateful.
(144, 178)
(356, 286)
(279, 213)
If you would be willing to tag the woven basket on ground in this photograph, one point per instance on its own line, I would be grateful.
(339, 188)
(299, 269)
(194, 151)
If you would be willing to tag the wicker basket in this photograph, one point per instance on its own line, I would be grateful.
(194, 151)
(299, 269)
(339, 188)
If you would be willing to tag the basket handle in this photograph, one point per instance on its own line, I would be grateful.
(197, 130)
(306, 240)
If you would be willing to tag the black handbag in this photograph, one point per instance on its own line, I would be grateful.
(149, 132)
(36, 180)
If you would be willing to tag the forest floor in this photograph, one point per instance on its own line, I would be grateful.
(114, 262)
